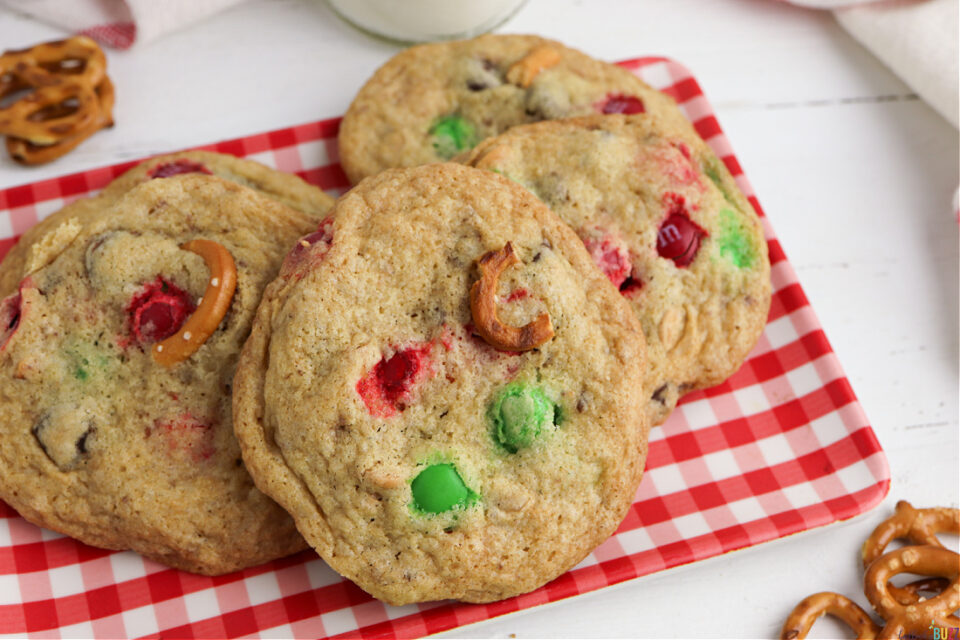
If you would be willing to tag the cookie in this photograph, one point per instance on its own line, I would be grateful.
(280, 186)
(433, 101)
(664, 219)
(419, 460)
(116, 363)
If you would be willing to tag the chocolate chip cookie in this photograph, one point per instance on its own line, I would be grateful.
(664, 220)
(433, 101)
(443, 390)
(117, 355)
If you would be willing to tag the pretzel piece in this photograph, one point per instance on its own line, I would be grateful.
(43, 117)
(25, 152)
(523, 72)
(801, 619)
(924, 560)
(212, 308)
(483, 307)
(78, 58)
(919, 526)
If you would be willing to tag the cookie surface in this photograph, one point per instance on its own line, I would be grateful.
(418, 460)
(280, 186)
(431, 102)
(101, 441)
(662, 217)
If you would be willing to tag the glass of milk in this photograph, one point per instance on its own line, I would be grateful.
(410, 21)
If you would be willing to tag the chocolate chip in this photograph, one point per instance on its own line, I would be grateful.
(630, 285)
(660, 394)
(82, 442)
(583, 402)
(483, 74)
(63, 434)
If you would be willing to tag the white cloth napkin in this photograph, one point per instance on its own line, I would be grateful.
(917, 39)
(920, 42)
(119, 23)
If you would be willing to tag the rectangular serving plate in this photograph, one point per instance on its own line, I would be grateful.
(781, 447)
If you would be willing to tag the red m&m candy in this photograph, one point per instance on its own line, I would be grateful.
(679, 239)
(384, 388)
(619, 103)
(158, 311)
(610, 257)
(9, 317)
(178, 167)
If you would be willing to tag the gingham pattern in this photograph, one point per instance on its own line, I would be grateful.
(781, 447)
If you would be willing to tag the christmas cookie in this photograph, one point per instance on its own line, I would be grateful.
(280, 186)
(117, 357)
(433, 101)
(443, 390)
(663, 219)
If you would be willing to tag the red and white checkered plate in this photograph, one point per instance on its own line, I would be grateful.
(780, 447)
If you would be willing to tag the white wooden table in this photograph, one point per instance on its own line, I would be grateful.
(855, 173)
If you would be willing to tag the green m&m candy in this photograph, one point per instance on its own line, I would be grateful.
(439, 488)
(518, 415)
(734, 240)
(451, 135)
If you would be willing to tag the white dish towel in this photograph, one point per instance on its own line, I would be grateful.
(918, 41)
(119, 23)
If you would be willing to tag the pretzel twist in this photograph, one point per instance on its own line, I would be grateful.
(924, 560)
(78, 58)
(904, 610)
(212, 308)
(28, 153)
(919, 526)
(70, 98)
(803, 616)
(523, 72)
(43, 117)
(483, 307)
